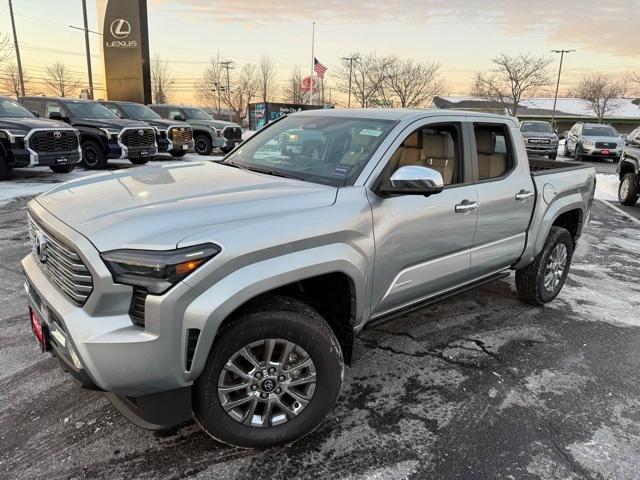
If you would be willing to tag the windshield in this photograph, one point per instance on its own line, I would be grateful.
(197, 114)
(138, 112)
(327, 150)
(537, 127)
(12, 109)
(89, 110)
(597, 131)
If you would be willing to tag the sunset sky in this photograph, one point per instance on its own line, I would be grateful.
(462, 35)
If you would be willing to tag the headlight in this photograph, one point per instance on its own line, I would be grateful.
(111, 133)
(157, 270)
(13, 134)
(588, 143)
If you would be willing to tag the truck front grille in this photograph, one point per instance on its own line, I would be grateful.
(232, 133)
(53, 141)
(180, 135)
(138, 138)
(136, 310)
(61, 264)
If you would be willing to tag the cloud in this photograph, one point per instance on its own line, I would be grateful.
(597, 26)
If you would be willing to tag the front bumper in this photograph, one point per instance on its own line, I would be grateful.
(601, 152)
(22, 157)
(166, 145)
(541, 149)
(118, 150)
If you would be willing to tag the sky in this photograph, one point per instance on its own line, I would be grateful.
(461, 35)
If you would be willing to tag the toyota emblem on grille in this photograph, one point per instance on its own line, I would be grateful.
(141, 132)
(57, 134)
(40, 246)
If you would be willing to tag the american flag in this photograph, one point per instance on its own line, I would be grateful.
(319, 68)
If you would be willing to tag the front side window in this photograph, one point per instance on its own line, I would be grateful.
(495, 157)
(138, 112)
(54, 107)
(196, 114)
(327, 150)
(83, 109)
(12, 109)
(175, 112)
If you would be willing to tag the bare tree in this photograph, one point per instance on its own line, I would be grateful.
(60, 80)
(634, 79)
(162, 80)
(414, 84)
(10, 80)
(602, 93)
(267, 72)
(293, 92)
(511, 78)
(210, 88)
(245, 89)
(367, 78)
(5, 48)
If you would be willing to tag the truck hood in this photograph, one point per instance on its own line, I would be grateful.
(550, 135)
(219, 124)
(157, 206)
(162, 123)
(30, 123)
(108, 123)
(602, 139)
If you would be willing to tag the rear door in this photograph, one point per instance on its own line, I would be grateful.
(506, 195)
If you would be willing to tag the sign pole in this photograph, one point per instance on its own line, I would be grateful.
(313, 43)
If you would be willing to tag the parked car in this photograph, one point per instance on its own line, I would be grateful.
(634, 133)
(629, 170)
(103, 135)
(208, 132)
(172, 136)
(593, 140)
(540, 138)
(234, 296)
(27, 141)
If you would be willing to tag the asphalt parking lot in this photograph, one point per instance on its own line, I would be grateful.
(480, 386)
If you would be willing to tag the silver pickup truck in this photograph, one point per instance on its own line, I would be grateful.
(231, 293)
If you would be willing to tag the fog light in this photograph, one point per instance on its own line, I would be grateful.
(74, 358)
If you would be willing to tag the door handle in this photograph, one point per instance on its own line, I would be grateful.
(467, 207)
(523, 195)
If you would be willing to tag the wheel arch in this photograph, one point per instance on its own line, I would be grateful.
(628, 165)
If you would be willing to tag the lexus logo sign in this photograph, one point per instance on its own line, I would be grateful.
(120, 28)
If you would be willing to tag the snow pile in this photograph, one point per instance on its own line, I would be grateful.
(607, 186)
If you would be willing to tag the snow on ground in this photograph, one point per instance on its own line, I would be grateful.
(607, 186)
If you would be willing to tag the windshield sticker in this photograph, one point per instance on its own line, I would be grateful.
(371, 133)
(342, 170)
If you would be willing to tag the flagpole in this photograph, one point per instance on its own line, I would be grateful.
(313, 45)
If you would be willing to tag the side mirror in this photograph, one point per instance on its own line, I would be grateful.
(414, 180)
(179, 118)
(58, 116)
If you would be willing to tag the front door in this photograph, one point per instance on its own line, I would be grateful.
(423, 243)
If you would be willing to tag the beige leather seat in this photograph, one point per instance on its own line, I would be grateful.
(438, 153)
(490, 164)
(410, 153)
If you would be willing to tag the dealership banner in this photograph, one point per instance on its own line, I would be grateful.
(125, 49)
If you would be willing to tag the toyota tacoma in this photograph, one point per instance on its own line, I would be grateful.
(234, 296)
(27, 141)
(103, 135)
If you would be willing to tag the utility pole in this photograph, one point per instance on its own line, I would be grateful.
(313, 61)
(87, 49)
(555, 99)
(228, 65)
(15, 42)
(350, 60)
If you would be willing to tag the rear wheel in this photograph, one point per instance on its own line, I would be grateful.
(62, 168)
(541, 281)
(203, 145)
(93, 155)
(628, 189)
(272, 376)
(178, 153)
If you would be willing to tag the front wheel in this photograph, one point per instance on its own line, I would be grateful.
(272, 376)
(577, 153)
(93, 155)
(203, 145)
(553, 156)
(178, 153)
(62, 168)
(566, 152)
(628, 190)
(541, 281)
(226, 150)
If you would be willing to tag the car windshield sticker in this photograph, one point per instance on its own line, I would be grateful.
(371, 133)
(342, 170)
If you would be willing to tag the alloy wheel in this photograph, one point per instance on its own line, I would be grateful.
(267, 383)
(624, 188)
(90, 156)
(555, 268)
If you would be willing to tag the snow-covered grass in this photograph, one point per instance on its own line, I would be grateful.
(607, 186)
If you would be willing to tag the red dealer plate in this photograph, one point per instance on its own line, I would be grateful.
(605, 151)
(38, 330)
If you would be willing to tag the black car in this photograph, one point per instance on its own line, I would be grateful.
(103, 135)
(27, 141)
(629, 170)
(172, 136)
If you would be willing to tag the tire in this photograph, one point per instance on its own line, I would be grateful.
(628, 190)
(178, 153)
(62, 168)
(203, 145)
(566, 152)
(93, 155)
(280, 319)
(226, 150)
(140, 160)
(553, 156)
(530, 280)
(6, 172)
(577, 153)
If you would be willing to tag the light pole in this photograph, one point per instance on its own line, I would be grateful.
(555, 99)
(350, 60)
(15, 42)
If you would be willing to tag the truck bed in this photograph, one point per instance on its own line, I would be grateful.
(543, 167)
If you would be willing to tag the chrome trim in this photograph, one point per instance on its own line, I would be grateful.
(34, 158)
(125, 149)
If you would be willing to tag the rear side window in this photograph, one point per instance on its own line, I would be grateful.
(34, 106)
(54, 107)
(494, 152)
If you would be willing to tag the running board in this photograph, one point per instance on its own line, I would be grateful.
(412, 308)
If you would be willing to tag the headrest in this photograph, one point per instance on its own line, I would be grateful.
(435, 146)
(412, 141)
(484, 141)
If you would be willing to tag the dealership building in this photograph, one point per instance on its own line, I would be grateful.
(624, 118)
